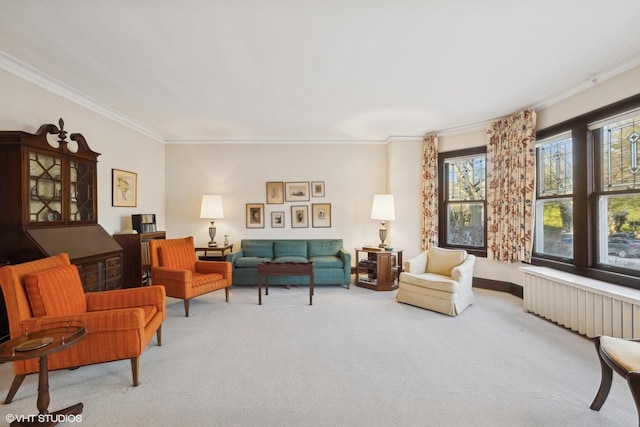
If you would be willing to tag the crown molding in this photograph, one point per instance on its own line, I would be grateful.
(26, 72)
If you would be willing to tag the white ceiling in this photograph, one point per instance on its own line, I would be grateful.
(326, 70)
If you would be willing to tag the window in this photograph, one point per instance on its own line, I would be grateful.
(588, 194)
(463, 198)
(618, 192)
(554, 199)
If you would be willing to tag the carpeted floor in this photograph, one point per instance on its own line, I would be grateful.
(354, 358)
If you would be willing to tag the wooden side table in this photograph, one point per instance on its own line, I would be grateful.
(378, 269)
(267, 269)
(220, 250)
(53, 337)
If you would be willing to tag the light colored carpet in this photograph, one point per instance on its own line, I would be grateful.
(354, 358)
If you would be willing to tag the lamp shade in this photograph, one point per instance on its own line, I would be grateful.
(383, 208)
(211, 207)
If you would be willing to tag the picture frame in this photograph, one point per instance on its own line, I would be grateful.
(124, 188)
(296, 191)
(277, 219)
(321, 215)
(275, 192)
(300, 216)
(255, 215)
(317, 189)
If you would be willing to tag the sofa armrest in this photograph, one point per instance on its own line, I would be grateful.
(417, 264)
(125, 298)
(346, 259)
(233, 256)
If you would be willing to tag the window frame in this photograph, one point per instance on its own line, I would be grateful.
(557, 197)
(443, 201)
(586, 169)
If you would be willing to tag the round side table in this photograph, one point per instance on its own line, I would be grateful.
(49, 338)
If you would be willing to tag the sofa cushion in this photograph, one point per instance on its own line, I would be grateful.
(257, 249)
(282, 248)
(177, 257)
(250, 261)
(327, 261)
(291, 259)
(323, 247)
(442, 261)
(56, 292)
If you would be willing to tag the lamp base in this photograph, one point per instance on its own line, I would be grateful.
(213, 244)
(383, 235)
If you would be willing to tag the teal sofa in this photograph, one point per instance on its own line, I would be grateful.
(331, 263)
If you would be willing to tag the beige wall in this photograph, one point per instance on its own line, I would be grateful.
(26, 106)
(352, 174)
(172, 178)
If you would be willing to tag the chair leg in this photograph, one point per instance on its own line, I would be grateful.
(226, 293)
(15, 385)
(135, 367)
(605, 382)
(633, 379)
(186, 308)
(159, 335)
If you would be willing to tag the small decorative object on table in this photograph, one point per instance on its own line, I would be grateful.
(226, 240)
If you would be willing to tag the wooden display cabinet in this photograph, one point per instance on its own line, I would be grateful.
(378, 269)
(49, 193)
(137, 264)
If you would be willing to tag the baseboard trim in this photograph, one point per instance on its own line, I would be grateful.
(497, 285)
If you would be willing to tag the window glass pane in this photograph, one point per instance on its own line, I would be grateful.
(555, 166)
(554, 227)
(620, 168)
(466, 178)
(465, 224)
(619, 228)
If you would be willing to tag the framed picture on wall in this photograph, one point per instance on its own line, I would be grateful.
(275, 192)
(296, 191)
(277, 219)
(321, 215)
(124, 188)
(300, 216)
(255, 215)
(317, 189)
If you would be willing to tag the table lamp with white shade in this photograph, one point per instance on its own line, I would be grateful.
(383, 210)
(212, 209)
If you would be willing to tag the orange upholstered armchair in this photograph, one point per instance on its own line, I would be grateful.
(120, 323)
(174, 265)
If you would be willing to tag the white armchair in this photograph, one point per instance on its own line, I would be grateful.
(438, 280)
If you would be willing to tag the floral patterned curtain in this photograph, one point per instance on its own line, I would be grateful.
(429, 192)
(511, 169)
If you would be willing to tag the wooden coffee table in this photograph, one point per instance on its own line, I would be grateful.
(267, 269)
(40, 343)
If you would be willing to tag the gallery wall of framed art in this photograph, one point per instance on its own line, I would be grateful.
(315, 215)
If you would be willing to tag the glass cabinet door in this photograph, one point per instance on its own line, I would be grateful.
(81, 194)
(45, 186)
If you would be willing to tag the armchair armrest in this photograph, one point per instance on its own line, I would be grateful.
(124, 298)
(417, 264)
(163, 273)
(463, 269)
(206, 267)
(95, 321)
